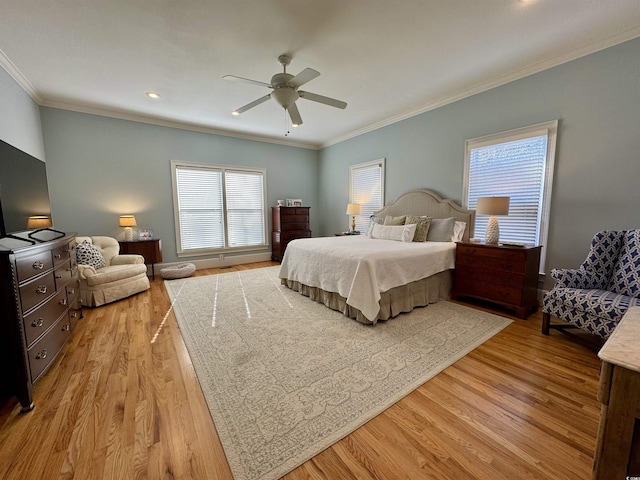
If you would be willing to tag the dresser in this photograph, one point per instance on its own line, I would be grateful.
(288, 223)
(506, 275)
(40, 302)
(151, 250)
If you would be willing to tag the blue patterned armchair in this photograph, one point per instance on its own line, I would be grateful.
(595, 296)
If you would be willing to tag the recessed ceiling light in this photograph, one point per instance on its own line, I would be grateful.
(152, 95)
(294, 125)
(236, 113)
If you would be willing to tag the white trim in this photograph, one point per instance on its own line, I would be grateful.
(220, 261)
(176, 213)
(19, 78)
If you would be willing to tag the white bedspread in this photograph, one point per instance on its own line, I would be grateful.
(359, 268)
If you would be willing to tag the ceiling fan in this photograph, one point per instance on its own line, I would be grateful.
(285, 91)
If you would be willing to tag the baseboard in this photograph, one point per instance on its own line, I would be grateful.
(221, 261)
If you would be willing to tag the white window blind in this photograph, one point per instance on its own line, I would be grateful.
(218, 207)
(366, 188)
(517, 164)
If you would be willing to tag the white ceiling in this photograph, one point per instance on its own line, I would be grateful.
(388, 59)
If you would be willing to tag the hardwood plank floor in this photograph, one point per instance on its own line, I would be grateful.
(123, 402)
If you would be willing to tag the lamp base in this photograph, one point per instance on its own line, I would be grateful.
(492, 234)
(353, 223)
(128, 234)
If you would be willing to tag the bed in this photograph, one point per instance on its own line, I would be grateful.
(372, 279)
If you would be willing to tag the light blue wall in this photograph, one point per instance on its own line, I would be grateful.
(99, 168)
(597, 173)
(19, 118)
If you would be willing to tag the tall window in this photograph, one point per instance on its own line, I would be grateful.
(517, 164)
(218, 207)
(366, 188)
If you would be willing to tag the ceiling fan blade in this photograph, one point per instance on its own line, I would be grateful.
(296, 119)
(233, 78)
(255, 103)
(303, 77)
(332, 102)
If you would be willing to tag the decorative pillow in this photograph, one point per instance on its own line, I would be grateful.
(422, 227)
(458, 231)
(373, 220)
(87, 254)
(400, 233)
(389, 220)
(441, 229)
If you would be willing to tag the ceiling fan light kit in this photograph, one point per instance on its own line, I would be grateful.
(285, 91)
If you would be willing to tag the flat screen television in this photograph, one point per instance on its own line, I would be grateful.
(24, 191)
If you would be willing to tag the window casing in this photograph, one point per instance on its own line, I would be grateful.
(366, 188)
(218, 208)
(518, 164)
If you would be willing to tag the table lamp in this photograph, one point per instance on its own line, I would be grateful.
(128, 221)
(353, 209)
(492, 206)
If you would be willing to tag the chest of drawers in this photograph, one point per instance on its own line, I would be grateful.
(498, 273)
(288, 223)
(40, 301)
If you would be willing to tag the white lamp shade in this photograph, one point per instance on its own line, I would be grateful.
(493, 206)
(353, 209)
(128, 221)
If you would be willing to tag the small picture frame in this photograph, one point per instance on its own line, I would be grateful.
(145, 235)
(294, 202)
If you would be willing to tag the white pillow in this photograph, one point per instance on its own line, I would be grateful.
(458, 231)
(400, 233)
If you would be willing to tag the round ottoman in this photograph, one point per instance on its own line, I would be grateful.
(181, 270)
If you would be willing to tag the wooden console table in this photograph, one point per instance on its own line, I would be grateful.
(618, 444)
(151, 250)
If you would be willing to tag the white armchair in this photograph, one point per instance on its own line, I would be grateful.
(120, 277)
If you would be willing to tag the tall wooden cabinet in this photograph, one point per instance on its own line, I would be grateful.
(288, 223)
(40, 302)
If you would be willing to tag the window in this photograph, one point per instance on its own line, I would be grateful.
(218, 207)
(366, 188)
(518, 164)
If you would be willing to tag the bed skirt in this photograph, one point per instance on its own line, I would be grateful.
(393, 302)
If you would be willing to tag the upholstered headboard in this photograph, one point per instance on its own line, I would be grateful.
(425, 202)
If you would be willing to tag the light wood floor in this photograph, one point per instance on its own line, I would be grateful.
(122, 402)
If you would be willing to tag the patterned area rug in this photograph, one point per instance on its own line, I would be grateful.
(285, 377)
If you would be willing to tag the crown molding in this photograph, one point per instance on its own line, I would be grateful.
(19, 78)
(163, 122)
(594, 47)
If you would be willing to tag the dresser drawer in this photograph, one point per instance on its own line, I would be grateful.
(38, 321)
(288, 236)
(36, 291)
(44, 351)
(482, 258)
(61, 254)
(500, 293)
(490, 275)
(63, 275)
(33, 265)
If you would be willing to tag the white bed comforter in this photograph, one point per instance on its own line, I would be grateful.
(359, 268)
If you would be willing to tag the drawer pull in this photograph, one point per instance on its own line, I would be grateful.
(63, 301)
(73, 314)
(72, 291)
(58, 277)
(41, 289)
(57, 256)
(66, 328)
(38, 265)
(42, 355)
(37, 323)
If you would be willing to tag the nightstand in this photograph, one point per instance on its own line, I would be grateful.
(151, 250)
(506, 275)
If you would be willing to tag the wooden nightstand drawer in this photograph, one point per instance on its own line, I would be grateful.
(488, 275)
(490, 291)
